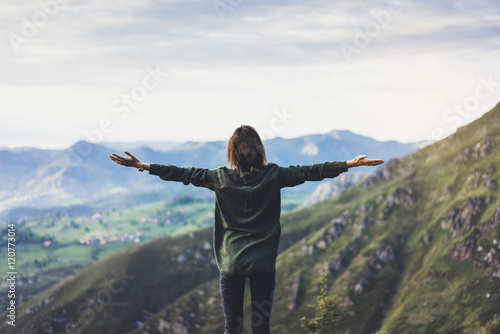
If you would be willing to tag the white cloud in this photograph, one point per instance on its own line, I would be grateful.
(310, 149)
(261, 56)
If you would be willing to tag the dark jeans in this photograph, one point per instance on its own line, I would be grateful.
(232, 288)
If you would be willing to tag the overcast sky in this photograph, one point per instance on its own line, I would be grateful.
(196, 69)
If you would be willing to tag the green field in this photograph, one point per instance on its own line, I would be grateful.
(78, 241)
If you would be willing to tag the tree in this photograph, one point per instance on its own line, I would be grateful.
(94, 251)
(328, 312)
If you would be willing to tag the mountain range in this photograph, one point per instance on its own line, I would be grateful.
(414, 248)
(82, 178)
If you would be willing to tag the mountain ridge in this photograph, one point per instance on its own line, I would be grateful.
(412, 249)
(83, 173)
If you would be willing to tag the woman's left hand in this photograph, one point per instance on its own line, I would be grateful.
(361, 160)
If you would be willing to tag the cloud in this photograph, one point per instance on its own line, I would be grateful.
(264, 53)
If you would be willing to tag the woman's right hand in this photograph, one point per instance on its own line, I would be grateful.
(130, 161)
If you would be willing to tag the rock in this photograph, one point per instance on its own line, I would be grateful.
(295, 292)
(362, 225)
(384, 173)
(462, 156)
(463, 250)
(306, 249)
(401, 196)
(493, 223)
(363, 282)
(484, 148)
(480, 150)
(334, 230)
(381, 256)
(481, 177)
(427, 239)
(496, 271)
(450, 219)
(165, 326)
(338, 263)
(182, 258)
(330, 234)
(346, 302)
(429, 276)
(321, 244)
(207, 245)
(333, 187)
(488, 256)
(459, 218)
(385, 254)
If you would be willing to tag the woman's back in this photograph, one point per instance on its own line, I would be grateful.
(247, 217)
(247, 220)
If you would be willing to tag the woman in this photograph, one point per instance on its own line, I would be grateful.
(247, 217)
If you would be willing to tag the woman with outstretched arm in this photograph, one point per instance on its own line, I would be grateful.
(247, 217)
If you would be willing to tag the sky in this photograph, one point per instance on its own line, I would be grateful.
(194, 70)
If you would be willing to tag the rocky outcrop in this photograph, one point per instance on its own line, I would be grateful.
(401, 196)
(383, 255)
(165, 326)
(492, 223)
(426, 239)
(332, 232)
(362, 225)
(384, 173)
(378, 260)
(44, 301)
(338, 263)
(463, 250)
(365, 279)
(488, 256)
(481, 178)
(484, 148)
(199, 255)
(295, 288)
(333, 187)
(457, 219)
(481, 149)
(495, 272)
(484, 253)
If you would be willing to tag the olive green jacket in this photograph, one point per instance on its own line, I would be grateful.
(247, 208)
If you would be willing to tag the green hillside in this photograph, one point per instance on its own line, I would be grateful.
(413, 249)
(54, 246)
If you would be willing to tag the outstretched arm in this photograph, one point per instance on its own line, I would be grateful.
(361, 160)
(199, 177)
(130, 161)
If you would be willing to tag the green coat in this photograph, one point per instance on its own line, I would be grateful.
(247, 208)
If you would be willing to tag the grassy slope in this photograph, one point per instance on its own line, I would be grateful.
(421, 289)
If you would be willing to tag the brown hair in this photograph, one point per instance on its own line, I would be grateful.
(245, 150)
